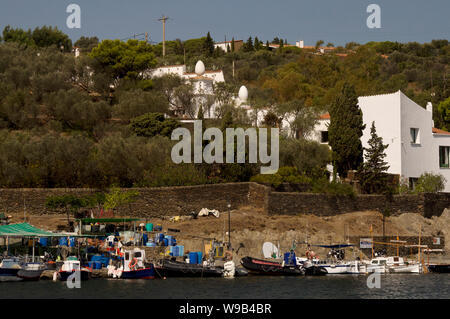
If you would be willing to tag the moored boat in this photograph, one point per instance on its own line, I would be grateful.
(172, 268)
(439, 268)
(133, 267)
(9, 267)
(272, 268)
(31, 271)
(70, 266)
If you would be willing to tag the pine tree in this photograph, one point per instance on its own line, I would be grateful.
(232, 45)
(257, 44)
(267, 44)
(249, 45)
(200, 115)
(345, 130)
(208, 45)
(227, 121)
(372, 173)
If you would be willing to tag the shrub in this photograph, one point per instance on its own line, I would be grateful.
(335, 188)
(284, 175)
(430, 183)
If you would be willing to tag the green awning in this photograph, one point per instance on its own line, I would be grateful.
(108, 220)
(27, 230)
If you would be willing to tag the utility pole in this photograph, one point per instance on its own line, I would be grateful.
(146, 37)
(164, 19)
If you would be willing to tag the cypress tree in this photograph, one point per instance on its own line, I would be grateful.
(257, 44)
(345, 130)
(232, 44)
(208, 45)
(249, 45)
(372, 173)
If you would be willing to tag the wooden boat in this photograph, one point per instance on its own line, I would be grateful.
(439, 268)
(171, 268)
(257, 266)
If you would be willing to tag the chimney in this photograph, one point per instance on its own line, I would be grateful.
(430, 109)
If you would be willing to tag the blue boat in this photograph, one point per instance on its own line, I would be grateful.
(133, 267)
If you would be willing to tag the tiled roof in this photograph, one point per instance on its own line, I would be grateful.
(325, 116)
(440, 132)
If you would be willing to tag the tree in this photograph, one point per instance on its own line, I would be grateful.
(319, 44)
(125, 59)
(152, 124)
(248, 46)
(69, 203)
(48, 36)
(345, 130)
(185, 99)
(444, 110)
(18, 35)
(116, 198)
(208, 45)
(86, 44)
(257, 44)
(372, 173)
(430, 183)
(232, 45)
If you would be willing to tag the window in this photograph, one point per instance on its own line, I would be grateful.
(443, 156)
(414, 135)
(324, 136)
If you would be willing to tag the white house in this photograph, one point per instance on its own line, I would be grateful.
(415, 145)
(202, 80)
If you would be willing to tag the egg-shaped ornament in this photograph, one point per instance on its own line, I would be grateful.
(199, 68)
(243, 94)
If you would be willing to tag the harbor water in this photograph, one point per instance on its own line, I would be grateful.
(330, 286)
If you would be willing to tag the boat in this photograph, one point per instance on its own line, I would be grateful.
(377, 264)
(70, 266)
(311, 267)
(357, 267)
(133, 266)
(439, 268)
(257, 266)
(330, 267)
(9, 267)
(31, 271)
(398, 265)
(173, 268)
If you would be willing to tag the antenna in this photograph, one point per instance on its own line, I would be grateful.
(164, 19)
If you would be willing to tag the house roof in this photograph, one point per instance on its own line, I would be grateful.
(325, 116)
(439, 131)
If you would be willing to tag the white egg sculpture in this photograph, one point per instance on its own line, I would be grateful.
(199, 68)
(243, 93)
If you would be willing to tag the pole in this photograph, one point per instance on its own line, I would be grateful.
(371, 234)
(33, 253)
(229, 226)
(420, 234)
(164, 19)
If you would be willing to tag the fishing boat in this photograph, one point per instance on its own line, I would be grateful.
(330, 267)
(31, 271)
(173, 268)
(439, 268)
(377, 264)
(357, 267)
(257, 266)
(398, 265)
(70, 266)
(9, 267)
(134, 266)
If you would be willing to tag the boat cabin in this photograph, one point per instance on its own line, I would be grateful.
(71, 264)
(134, 259)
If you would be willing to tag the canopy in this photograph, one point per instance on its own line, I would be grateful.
(108, 220)
(27, 230)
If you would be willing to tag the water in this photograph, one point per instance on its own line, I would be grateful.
(331, 286)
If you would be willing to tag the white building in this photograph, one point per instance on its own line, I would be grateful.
(202, 80)
(415, 146)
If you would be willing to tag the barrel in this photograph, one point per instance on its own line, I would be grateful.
(72, 241)
(144, 238)
(199, 257)
(180, 250)
(193, 258)
(43, 241)
(149, 227)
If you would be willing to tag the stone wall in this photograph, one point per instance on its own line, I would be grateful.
(171, 201)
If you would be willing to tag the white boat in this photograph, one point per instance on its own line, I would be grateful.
(330, 267)
(9, 267)
(357, 267)
(377, 264)
(398, 265)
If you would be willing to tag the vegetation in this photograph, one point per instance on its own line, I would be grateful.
(430, 183)
(91, 121)
(372, 173)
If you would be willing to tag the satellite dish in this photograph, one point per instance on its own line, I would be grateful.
(269, 250)
(199, 68)
(243, 93)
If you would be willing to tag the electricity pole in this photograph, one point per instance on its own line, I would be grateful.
(164, 19)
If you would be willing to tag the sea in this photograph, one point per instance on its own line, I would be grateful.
(391, 286)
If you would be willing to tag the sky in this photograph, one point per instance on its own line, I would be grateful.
(335, 21)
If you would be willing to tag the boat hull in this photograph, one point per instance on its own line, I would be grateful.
(30, 275)
(146, 273)
(84, 275)
(257, 266)
(315, 271)
(9, 274)
(169, 268)
(441, 269)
